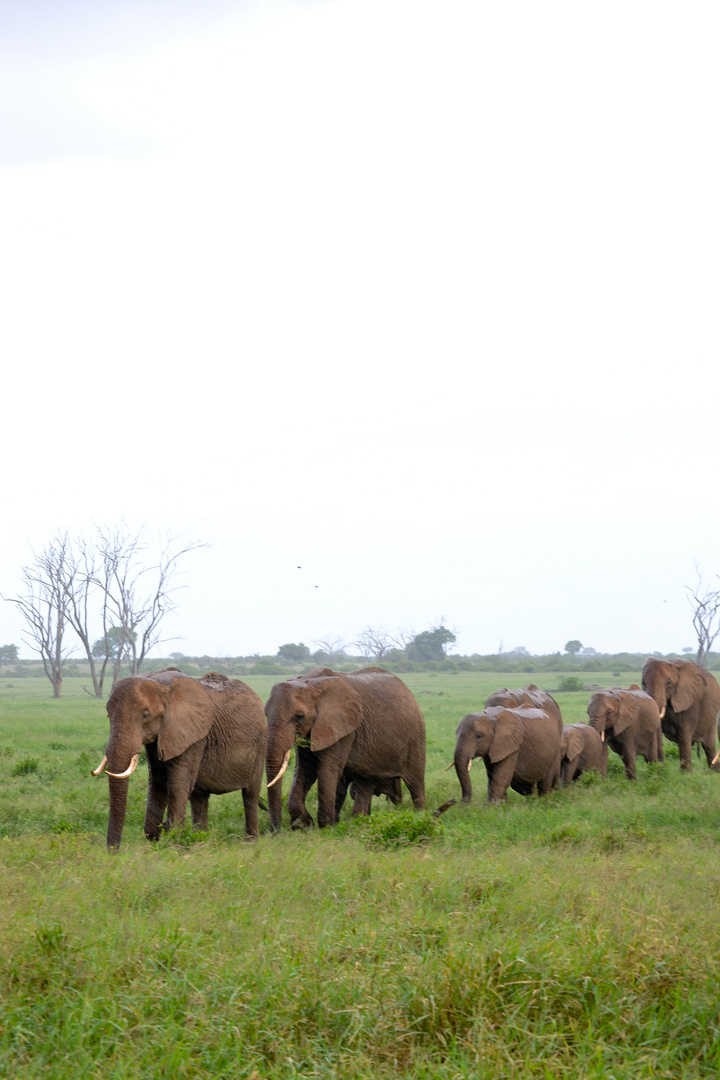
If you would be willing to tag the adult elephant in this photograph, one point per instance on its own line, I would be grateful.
(202, 737)
(362, 728)
(581, 750)
(630, 720)
(688, 698)
(530, 696)
(520, 748)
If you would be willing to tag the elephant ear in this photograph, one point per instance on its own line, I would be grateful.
(339, 712)
(689, 688)
(572, 743)
(625, 708)
(189, 715)
(509, 732)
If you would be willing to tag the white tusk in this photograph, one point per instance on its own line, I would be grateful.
(101, 766)
(129, 771)
(662, 711)
(283, 767)
(715, 759)
(602, 736)
(470, 764)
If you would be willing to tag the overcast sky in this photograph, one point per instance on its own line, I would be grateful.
(409, 309)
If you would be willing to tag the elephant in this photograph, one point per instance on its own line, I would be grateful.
(631, 721)
(688, 698)
(520, 747)
(361, 727)
(201, 737)
(530, 696)
(582, 750)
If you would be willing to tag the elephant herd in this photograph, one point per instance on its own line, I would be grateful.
(362, 734)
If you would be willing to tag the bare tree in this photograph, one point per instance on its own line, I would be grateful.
(44, 606)
(374, 642)
(138, 597)
(87, 581)
(705, 603)
(334, 648)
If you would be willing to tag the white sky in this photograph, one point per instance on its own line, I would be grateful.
(420, 297)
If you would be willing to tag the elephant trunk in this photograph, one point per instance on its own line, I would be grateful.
(118, 804)
(462, 762)
(278, 755)
(656, 689)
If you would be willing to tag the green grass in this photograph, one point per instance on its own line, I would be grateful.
(575, 936)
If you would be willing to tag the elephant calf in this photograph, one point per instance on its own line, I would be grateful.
(519, 746)
(582, 750)
(631, 721)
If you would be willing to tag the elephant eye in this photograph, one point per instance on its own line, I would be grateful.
(145, 714)
(298, 717)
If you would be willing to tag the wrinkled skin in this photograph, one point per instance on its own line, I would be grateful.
(529, 696)
(201, 737)
(519, 746)
(360, 728)
(688, 698)
(582, 750)
(630, 721)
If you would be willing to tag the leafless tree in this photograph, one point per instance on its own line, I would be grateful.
(334, 648)
(138, 596)
(402, 638)
(374, 641)
(705, 603)
(86, 593)
(44, 606)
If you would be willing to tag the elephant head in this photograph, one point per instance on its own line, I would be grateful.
(494, 733)
(315, 710)
(167, 708)
(678, 683)
(610, 711)
(572, 742)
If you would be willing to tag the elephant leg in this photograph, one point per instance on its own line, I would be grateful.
(708, 745)
(304, 777)
(500, 774)
(199, 809)
(328, 777)
(157, 796)
(629, 756)
(250, 805)
(342, 790)
(362, 798)
(182, 773)
(660, 748)
(685, 747)
(571, 770)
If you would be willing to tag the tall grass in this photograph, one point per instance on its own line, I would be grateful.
(574, 936)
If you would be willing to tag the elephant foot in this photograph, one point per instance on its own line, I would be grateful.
(302, 823)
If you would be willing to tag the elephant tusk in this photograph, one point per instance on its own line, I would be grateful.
(129, 771)
(101, 766)
(602, 736)
(470, 764)
(716, 758)
(662, 711)
(450, 766)
(283, 767)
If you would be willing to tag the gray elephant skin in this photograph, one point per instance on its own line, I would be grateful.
(582, 750)
(202, 737)
(688, 698)
(519, 744)
(630, 721)
(360, 728)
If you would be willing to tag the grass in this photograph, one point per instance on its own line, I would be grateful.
(574, 936)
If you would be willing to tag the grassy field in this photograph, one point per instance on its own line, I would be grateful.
(575, 936)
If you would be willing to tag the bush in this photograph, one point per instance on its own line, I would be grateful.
(571, 682)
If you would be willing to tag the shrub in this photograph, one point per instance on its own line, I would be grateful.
(26, 766)
(571, 682)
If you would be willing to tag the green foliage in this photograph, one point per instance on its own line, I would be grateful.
(396, 828)
(294, 654)
(26, 766)
(571, 683)
(573, 647)
(430, 645)
(116, 642)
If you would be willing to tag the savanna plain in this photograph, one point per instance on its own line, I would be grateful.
(572, 936)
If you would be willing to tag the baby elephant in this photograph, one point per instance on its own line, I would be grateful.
(631, 721)
(520, 748)
(582, 750)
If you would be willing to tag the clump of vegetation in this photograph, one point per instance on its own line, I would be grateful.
(571, 682)
(397, 828)
(26, 766)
